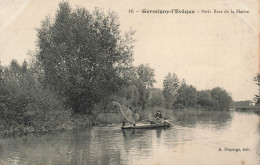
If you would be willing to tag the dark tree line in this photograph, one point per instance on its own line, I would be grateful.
(178, 95)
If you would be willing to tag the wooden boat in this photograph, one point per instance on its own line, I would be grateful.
(148, 126)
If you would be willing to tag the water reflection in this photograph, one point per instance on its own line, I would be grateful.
(192, 118)
(194, 133)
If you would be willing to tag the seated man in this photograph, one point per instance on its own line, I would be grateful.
(158, 115)
(158, 118)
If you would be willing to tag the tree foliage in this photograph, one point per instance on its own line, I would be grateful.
(144, 93)
(257, 96)
(128, 96)
(187, 96)
(84, 55)
(204, 99)
(170, 86)
(144, 81)
(146, 75)
(157, 98)
(25, 106)
(221, 99)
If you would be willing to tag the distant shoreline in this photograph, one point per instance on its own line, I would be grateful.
(248, 108)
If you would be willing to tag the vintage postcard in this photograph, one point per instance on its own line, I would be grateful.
(129, 82)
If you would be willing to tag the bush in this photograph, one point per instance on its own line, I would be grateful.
(25, 106)
(179, 106)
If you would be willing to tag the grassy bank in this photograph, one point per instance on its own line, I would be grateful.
(40, 123)
(190, 114)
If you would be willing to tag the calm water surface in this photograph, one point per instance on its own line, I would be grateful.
(195, 138)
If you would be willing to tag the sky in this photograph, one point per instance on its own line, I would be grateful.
(207, 50)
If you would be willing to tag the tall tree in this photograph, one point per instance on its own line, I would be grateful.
(146, 75)
(1, 71)
(221, 99)
(144, 82)
(186, 96)
(144, 93)
(205, 99)
(132, 95)
(257, 80)
(3, 97)
(84, 55)
(157, 98)
(170, 86)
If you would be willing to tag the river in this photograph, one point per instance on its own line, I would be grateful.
(197, 138)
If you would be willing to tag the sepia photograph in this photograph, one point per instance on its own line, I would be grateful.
(129, 82)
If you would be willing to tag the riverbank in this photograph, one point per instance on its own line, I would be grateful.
(42, 123)
(253, 109)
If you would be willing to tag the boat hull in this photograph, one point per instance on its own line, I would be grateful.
(148, 126)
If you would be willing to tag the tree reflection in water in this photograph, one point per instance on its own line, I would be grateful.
(190, 118)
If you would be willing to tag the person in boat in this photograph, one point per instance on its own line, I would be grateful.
(158, 115)
(157, 118)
